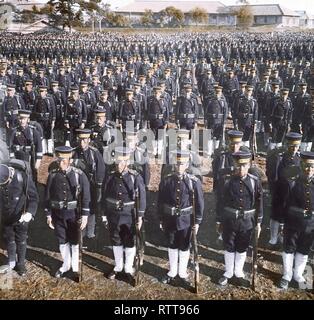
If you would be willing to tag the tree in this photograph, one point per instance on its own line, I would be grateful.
(148, 18)
(172, 15)
(244, 14)
(67, 13)
(27, 16)
(198, 15)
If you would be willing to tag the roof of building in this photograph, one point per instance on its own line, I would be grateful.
(185, 6)
(269, 10)
(38, 26)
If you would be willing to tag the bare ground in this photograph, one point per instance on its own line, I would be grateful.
(43, 259)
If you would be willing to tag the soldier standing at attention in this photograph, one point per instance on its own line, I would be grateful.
(175, 206)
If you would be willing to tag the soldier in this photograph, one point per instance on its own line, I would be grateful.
(278, 164)
(67, 202)
(106, 105)
(45, 114)
(41, 79)
(75, 115)
(187, 109)
(216, 112)
(130, 110)
(237, 96)
(25, 143)
(230, 85)
(175, 206)
(138, 95)
(298, 221)
(29, 95)
(158, 116)
(18, 205)
(240, 212)
(207, 86)
(301, 102)
(20, 80)
(119, 194)
(281, 118)
(89, 98)
(90, 161)
(11, 104)
(247, 111)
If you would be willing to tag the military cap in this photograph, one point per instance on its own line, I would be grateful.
(83, 83)
(187, 69)
(27, 82)
(293, 138)
(4, 174)
(86, 68)
(243, 83)
(24, 113)
(242, 157)
(249, 87)
(307, 157)
(54, 83)
(41, 70)
(141, 76)
(157, 89)
(265, 75)
(187, 87)
(303, 84)
(218, 88)
(167, 69)
(285, 90)
(95, 76)
(312, 89)
(230, 71)
(243, 64)
(131, 132)
(182, 156)
(235, 136)
(19, 69)
(42, 88)
(122, 153)
(109, 69)
(83, 133)
(100, 112)
(74, 88)
(104, 91)
(64, 152)
(137, 84)
(131, 70)
(161, 82)
(10, 86)
(183, 133)
(129, 91)
(208, 71)
(275, 84)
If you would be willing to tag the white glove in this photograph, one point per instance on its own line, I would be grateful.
(37, 164)
(84, 222)
(49, 222)
(104, 219)
(27, 217)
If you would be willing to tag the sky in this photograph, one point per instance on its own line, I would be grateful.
(307, 5)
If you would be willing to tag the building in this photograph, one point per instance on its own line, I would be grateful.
(39, 26)
(6, 15)
(26, 4)
(218, 13)
(272, 14)
(306, 20)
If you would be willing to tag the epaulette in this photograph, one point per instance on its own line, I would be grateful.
(93, 148)
(134, 172)
(253, 176)
(77, 170)
(192, 177)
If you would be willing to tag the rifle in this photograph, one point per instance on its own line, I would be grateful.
(254, 255)
(253, 142)
(137, 240)
(79, 208)
(195, 248)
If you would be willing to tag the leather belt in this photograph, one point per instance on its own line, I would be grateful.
(245, 214)
(305, 213)
(69, 205)
(173, 211)
(119, 205)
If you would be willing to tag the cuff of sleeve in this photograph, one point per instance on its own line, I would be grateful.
(259, 220)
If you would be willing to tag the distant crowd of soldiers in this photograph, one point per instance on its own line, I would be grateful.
(71, 95)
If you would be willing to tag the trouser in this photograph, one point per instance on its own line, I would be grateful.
(15, 237)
